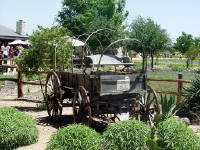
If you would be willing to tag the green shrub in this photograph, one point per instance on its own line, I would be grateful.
(177, 67)
(16, 129)
(175, 135)
(168, 107)
(126, 135)
(191, 101)
(75, 137)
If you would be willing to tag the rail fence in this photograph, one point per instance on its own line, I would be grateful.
(20, 83)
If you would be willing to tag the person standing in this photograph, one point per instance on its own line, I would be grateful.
(11, 54)
(7, 48)
(5, 55)
(16, 51)
(2, 48)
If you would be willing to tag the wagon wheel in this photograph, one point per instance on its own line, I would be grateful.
(81, 107)
(53, 96)
(149, 106)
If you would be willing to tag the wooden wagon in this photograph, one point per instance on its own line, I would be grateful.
(106, 95)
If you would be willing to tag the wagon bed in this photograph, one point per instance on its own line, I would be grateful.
(105, 83)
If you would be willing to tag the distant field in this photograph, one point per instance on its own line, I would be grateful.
(177, 59)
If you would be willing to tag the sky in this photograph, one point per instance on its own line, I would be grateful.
(176, 16)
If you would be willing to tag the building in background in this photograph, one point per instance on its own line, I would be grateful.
(9, 35)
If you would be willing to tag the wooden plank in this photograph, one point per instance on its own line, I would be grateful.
(122, 84)
(169, 80)
(180, 86)
(32, 83)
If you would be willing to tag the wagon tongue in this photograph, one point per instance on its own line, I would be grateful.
(123, 116)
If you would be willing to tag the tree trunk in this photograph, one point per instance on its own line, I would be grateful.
(187, 63)
(143, 62)
(151, 61)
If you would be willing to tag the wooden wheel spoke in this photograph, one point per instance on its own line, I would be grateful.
(53, 96)
(81, 109)
(50, 92)
(51, 82)
(50, 106)
(148, 101)
(49, 85)
(79, 99)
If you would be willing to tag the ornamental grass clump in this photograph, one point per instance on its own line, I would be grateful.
(16, 129)
(126, 135)
(75, 137)
(175, 135)
(191, 101)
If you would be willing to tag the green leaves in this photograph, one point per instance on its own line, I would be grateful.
(175, 135)
(86, 16)
(150, 34)
(16, 129)
(75, 137)
(126, 135)
(183, 42)
(188, 46)
(191, 96)
(169, 107)
(153, 38)
(192, 52)
(41, 55)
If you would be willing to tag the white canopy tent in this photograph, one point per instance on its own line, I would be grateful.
(75, 42)
(19, 42)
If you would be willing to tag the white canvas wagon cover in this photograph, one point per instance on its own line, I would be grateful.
(105, 60)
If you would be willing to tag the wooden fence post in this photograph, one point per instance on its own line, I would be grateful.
(20, 85)
(180, 86)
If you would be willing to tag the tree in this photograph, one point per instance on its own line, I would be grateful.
(85, 16)
(197, 41)
(152, 37)
(183, 43)
(197, 44)
(41, 55)
(192, 53)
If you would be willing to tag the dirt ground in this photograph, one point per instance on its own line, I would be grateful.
(44, 124)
